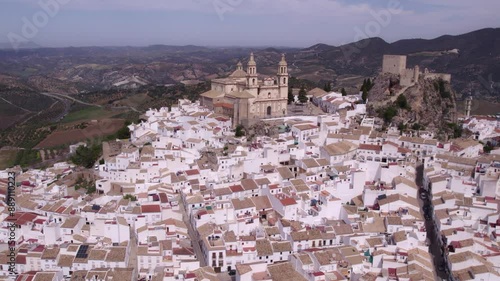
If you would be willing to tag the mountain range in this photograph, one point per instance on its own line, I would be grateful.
(473, 59)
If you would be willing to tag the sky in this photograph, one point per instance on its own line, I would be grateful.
(292, 23)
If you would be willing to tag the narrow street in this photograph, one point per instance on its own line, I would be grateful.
(132, 260)
(435, 246)
(192, 234)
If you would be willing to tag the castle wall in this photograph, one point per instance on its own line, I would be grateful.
(407, 77)
(444, 76)
(394, 64)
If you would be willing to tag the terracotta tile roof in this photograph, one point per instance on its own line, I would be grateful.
(150, 209)
(372, 147)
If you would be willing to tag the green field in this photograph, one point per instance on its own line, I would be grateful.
(7, 158)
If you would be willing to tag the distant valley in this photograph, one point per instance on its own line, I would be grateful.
(109, 82)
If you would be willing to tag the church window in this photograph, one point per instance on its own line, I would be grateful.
(269, 95)
(253, 81)
(284, 80)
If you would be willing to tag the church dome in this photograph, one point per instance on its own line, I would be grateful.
(238, 73)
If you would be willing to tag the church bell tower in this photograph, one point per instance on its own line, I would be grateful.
(252, 76)
(283, 77)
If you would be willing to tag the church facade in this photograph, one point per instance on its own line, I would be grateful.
(246, 97)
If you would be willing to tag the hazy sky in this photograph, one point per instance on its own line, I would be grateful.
(297, 23)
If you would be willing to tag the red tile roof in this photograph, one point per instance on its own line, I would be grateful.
(21, 259)
(192, 172)
(370, 147)
(22, 218)
(223, 104)
(39, 221)
(403, 150)
(236, 188)
(150, 209)
(163, 198)
(39, 248)
(288, 201)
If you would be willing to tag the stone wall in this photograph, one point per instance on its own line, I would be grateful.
(394, 64)
(444, 76)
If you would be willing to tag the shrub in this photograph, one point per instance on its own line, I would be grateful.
(402, 102)
(389, 113)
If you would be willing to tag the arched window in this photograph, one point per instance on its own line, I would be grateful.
(284, 80)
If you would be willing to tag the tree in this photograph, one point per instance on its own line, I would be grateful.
(488, 147)
(240, 131)
(457, 130)
(417, 127)
(402, 127)
(130, 197)
(123, 133)
(344, 93)
(302, 95)
(291, 97)
(86, 156)
(367, 85)
(327, 87)
(364, 95)
(389, 113)
(402, 102)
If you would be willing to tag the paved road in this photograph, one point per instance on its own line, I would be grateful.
(192, 234)
(436, 245)
(61, 96)
(24, 109)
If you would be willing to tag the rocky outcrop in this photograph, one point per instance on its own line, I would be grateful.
(429, 103)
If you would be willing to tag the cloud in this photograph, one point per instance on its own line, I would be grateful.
(293, 22)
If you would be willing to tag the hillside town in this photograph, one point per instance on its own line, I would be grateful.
(329, 197)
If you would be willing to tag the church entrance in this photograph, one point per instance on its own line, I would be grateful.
(268, 111)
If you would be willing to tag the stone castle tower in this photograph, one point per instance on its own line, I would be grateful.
(395, 64)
